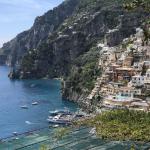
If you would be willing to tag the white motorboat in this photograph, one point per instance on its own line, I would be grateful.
(24, 107)
(93, 131)
(58, 112)
(15, 133)
(35, 103)
(63, 119)
(56, 126)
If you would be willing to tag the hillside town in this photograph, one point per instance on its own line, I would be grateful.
(125, 79)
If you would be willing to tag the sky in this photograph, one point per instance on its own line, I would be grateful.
(19, 15)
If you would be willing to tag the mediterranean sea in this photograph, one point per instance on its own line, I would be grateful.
(17, 93)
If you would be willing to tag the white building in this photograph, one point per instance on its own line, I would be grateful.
(138, 66)
(137, 80)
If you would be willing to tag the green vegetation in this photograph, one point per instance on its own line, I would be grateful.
(121, 125)
(44, 147)
(58, 135)
(61, 132)
(28, 60)
(85, 71)
(137, 4)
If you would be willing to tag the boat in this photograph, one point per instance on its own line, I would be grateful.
(35, 103)
(93, 131)
(28, 122)
(61, 119)
(57, 112)
(54, 113)
(15, 133)
(24, 107)
(55, 126)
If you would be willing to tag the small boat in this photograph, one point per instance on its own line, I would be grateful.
(57, 112)
(15, 133)
(24, 107)
(28, 122)
(55, 126)
(60, 119)
(63, 117)
(35, 103)
(93, 131)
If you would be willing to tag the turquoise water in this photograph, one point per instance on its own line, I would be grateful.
(14, 94)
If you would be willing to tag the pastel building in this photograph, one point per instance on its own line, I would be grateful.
(128, 61)
(124, 73)
(130, 91)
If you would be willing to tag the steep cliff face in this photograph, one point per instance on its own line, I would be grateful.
(43, 27)
(62, 43)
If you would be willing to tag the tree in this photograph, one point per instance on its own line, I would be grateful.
(137, 4)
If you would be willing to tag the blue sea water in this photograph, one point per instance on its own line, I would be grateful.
(15, 93)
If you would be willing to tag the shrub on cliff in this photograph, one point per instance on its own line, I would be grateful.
(85, 71)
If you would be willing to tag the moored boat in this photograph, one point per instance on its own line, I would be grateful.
(63, 117)
(57, 112)
(15, 133)
(24, 107)
(35, 103)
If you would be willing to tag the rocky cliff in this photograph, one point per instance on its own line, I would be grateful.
(42, 28)
(62, 43)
